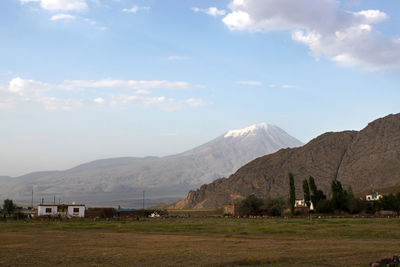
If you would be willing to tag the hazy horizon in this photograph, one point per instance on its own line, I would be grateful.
(122, 156)
(82, 80)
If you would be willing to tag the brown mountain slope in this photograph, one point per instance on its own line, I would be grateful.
(365, 159)
(373, 158)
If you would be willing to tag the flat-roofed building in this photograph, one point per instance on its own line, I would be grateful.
(63, 210)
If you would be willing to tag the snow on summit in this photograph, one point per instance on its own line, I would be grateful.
(251, 130)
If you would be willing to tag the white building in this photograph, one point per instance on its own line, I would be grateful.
(63, 210)
(373, 197)
(47, 210)
(301, 203)
(76, 211)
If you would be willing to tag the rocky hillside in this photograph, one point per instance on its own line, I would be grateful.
(364, 160)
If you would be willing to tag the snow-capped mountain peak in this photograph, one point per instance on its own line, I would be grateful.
(251, 130)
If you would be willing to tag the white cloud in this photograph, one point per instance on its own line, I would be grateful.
(36, 92)
(134, 99)
(238, 20)
(60, 5)
(64, 5)
(94, 23)
(177, 58)
(194, 102)
(288, 86)
(343, 36)
(68, 6)
(90, 21)
(31, 87)
(254, 83)
(55, 103)
(142, 92)
(27, 88)
(62, 16)
(135, 9)
(28, 1)
(129, 84)
(98, 100)
(285, 86)
(212, 11)
(164, 103)
(21, 91)
(371, 16)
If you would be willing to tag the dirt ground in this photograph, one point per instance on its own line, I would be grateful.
(40, 247)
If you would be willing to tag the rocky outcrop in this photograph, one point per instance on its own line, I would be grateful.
(373, 158)
(366, 159)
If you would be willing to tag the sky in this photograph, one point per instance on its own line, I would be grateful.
(88, 79)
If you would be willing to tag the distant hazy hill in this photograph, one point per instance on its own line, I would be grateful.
(366, 160)
(121, 180)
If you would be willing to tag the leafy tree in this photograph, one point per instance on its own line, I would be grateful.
(390, 202)
(307, 195)
(292, 193)
(313, 187)
(316, 194)
(340, 198)
(354, 205)
(8, 206)
(325, 206)
(251, 204)
(397, 206)
(371, 207)
(274, 206)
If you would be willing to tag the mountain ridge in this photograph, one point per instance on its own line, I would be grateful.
(174, 174)
(361, 159)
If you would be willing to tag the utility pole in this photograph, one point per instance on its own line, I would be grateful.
(143, 198)
(32, 200)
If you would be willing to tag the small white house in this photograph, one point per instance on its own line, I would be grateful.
(47, 210)
(76, 211)
(301, 203)
(373, 197)
(63, 210)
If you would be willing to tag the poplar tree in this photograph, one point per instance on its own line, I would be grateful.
(316, 195)
(307, 195)
(292, 193)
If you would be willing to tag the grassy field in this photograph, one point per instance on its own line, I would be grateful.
(199, 241)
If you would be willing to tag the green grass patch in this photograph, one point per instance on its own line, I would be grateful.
(302, 228)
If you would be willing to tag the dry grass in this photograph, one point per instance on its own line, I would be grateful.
(199, 242)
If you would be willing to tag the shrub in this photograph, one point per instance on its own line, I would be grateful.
(251, 204)
(274, 206)
(8, 206)
(325, 206)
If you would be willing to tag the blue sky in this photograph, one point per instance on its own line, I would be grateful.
(88, 79)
